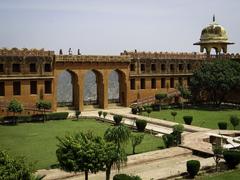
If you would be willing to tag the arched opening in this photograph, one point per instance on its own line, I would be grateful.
(67, 90)
(113, 87)
(117, 88)
(92, 88)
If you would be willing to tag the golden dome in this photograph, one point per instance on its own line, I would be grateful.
(214, 33)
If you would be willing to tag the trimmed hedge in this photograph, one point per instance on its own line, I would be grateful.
(232, 158)
(117, 119)
(34, 117)
(57, 116)
(125, 177)
(188, 119)
(193, 166)
(141, 124)
(222, 125)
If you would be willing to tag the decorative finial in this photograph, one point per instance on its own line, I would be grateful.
(213, 17)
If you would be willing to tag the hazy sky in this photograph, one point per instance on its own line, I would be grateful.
(109, 27)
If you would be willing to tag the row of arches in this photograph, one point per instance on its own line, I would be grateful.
(68, 88)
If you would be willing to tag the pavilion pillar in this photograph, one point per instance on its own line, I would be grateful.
(81, 90)
(104, 91)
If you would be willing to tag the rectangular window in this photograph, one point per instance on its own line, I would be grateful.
(2, 89)
(163, 67)
(142, 67)
(47, 67)
(16, 88)
(180, 67)
(153, 83)
(171, 67)
(153, 67)
(48, 87)
(33, 87)
(189, 66)
(163, 83)
(132, 67)
(132, 84)
(32, 67)
(1, 68)
(188, 81)
(171, 82)
(142, 83)
(16, 68)
(180, 81)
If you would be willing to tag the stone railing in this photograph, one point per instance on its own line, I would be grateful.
(25, 52)
(91, 58)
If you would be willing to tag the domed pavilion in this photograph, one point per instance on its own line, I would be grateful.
(214, 36)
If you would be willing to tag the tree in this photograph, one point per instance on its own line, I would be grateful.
(217, 154)
(43, 105)
(119, 135)
(174, 113)
(136, 139)
(213, 81)
(15, 107)
(149, 110)
(105, 114)
(15, 168)
(82, 152)
(113, 157)
(234, 121)
(160, 97)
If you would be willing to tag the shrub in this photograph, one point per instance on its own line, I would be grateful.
(57, 116)
(105, 114)
(134, 110)
(140, 109)
(77, 113)
(117, 119)
(234, 121)
(145, 107)
(177, 131)
(148, 110)
(26, 118)
(232, 158)
(168, 140)
(193, 166)
(174, 113)
(15, 107)
(188, 119)
(160, 96)
(125, 177)
(141, 124)
(15, 168)
(155, 107)
(222, 125)
(99, 113)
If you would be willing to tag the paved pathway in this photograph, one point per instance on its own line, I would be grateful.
(150, 165)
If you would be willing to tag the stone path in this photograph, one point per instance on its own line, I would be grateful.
(151, 165)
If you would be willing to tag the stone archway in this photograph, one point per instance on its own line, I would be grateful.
(92, 88)
(67, 89)
(117, 87)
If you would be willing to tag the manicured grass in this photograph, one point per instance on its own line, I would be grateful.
(231, 175)
(37, 141)
(202, 118)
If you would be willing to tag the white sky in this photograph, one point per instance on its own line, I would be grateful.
(109, 27)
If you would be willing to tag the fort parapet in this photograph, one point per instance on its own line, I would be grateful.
(25, 52)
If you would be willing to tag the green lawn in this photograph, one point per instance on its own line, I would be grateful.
(37, 141)
(202, 118)
(231, 175)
